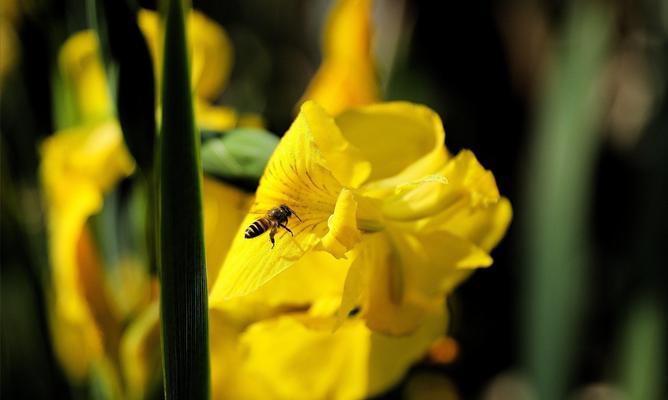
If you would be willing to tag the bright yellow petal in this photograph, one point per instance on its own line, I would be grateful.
(211, 51)
(343, 233)
(300, 363)
(224, 209)
(228, 380)
(298, 176)
(212, 55)
(340, 85)
(76, 339)
(403, 141)
(391, 356)
(484, 226)
(346, 162)
(461, 182)
(316, 275)
(404, 278)
(348, 30)
(81, 66)
(214, 118)
(347, 76)
(77, 167)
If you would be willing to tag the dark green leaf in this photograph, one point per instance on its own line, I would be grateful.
(183, 295)
(126, 52)
(559, 175)
(239, 154)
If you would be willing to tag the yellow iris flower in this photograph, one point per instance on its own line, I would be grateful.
(347, 76)
(211, 56)
(375, 188)
(388, 228)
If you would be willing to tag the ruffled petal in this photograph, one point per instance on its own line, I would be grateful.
(461, 182)
(343, 233)
(403, 142)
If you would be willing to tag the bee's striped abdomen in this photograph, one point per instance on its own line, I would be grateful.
(257, 228)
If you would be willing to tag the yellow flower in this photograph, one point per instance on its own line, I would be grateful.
(279, 341)
(375, 187)
(82, 69)
(78, 166)
(347, 75)
(211, 57)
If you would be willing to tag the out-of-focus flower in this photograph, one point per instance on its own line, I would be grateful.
(104, 318)
(78, 166)
(212, 58)
(388, 228)
(82, 70)
(347, 76)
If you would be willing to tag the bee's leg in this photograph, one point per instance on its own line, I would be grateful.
(271, 236)
(286, 228)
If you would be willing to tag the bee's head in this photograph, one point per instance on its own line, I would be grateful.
(286, 209)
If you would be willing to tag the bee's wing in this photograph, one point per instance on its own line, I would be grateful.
(258, 212)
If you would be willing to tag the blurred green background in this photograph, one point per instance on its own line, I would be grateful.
(564, 101)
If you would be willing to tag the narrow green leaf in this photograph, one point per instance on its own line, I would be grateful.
(559, 177)
(126, 52)
(643, 352)
(183, 295)
(238, 154)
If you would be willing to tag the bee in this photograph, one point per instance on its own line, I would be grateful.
(274, 219)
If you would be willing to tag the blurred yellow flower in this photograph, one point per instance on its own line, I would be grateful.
(104, 320)
(409, 220)
(78, 166)
(211, 64)
(82, 70)
(347, 76)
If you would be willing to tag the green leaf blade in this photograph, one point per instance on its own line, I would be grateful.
(184, 308)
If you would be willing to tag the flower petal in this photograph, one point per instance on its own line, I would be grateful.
(212, 52)
(224, 209)
(140, 355)
(403, 141)
(347, 76)
(346, 162)
(214, 118)
(77, 167)
(212, 55)
(462, 179)
(80, 64)
(484, 226)
(298, 176)
(298, 362)
(410, 275)
(391, 356)
(343, 233)
(353, 362)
